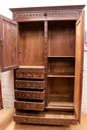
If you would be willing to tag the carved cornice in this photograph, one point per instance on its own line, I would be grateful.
(47, 15)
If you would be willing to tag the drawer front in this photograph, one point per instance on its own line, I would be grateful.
(38, 106)
(29, 84)
(30, 73)
(42, 118)
(29, 94)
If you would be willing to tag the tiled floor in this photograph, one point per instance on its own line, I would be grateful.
(7, 123)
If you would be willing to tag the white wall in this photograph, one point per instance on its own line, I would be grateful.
(7, 77)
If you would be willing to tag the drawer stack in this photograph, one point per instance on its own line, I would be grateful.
(29, 89)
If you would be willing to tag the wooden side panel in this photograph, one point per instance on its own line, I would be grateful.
(9, 44)
(78, 66)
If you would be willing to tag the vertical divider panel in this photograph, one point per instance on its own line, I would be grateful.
(45, 56)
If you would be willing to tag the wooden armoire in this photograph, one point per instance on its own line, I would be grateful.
(44, 46)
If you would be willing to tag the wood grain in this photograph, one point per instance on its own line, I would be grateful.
(61, 38)
(78, 66)
(31, 49)
(10, 58)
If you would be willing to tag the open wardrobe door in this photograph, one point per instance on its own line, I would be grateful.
(8, 44)
(78, 66)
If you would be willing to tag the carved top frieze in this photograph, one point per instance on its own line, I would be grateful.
(48, 15)
(45, 13)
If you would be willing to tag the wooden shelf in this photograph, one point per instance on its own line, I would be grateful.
(60, 75)
(59, 102)
(36, 67)
(62, 108)
(61, 56)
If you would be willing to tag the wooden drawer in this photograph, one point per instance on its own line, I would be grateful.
(30, 73)
(30, 94)
(23, 105)
(29, 84)
(45, 117)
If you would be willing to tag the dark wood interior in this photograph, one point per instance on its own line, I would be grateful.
(61, 66)
(61, 86)
(31, 43)
(61, 38)
(61, 63)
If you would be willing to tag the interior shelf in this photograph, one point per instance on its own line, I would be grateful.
(61, 67)
(60, 75)
(58, 102)
(61, 56)
(36, 67)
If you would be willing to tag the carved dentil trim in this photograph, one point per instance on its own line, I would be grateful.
(63, 14)
(28, 15)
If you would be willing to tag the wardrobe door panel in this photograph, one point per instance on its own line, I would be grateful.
(78, 67)
(8, 43)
